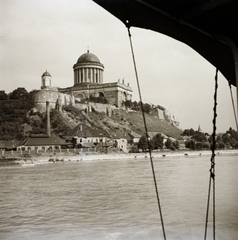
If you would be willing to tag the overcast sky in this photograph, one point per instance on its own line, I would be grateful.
(45, 34)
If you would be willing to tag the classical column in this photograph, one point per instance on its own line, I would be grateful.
(101, 76)
(79, 74)
(97, 75)
(91, 75)
(94, 75)
(83, 80)
(74, 76)
(86, 79)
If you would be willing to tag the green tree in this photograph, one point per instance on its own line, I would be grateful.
(147, 108)
(168, 143)
(127, 103)
(199, 136)
(158, 141)
(19, 93)
(188, 132)
(142, 144)
(190, 144)
(3, 95)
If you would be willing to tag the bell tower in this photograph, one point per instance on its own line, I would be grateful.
(45, 80)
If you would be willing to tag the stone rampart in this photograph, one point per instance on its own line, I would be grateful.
(55, 98)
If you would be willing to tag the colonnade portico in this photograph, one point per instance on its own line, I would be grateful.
(88, 69)
(88, 75)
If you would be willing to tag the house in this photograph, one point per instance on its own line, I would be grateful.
(134, 137)
(152, 134)
(121, 139)
(41, 142)
(85, 136)
(9, 145)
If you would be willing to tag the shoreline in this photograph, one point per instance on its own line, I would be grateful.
(47, 159)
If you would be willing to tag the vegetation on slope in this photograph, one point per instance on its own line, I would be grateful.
(19, 118)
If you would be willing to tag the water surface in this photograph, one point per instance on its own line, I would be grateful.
(115, 199)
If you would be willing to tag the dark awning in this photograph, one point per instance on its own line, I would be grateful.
(208, 26)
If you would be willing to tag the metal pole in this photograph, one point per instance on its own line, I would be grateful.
(234, 50)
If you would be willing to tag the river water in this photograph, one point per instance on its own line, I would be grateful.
(115, 199)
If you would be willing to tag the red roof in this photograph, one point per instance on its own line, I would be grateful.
(84, 131)
(44, 141)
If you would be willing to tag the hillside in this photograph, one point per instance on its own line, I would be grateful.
(19, 119)
(121, 120)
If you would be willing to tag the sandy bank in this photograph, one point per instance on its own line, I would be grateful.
(117, 156)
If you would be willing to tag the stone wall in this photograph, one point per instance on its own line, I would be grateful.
(55, 98)
(167, 116)
(160, 114)
(106, 108)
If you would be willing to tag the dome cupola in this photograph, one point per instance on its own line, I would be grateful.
(46, 74)
(88, 57)
(45, 80)
(88, 69)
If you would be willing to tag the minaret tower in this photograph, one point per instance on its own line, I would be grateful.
(45, 80)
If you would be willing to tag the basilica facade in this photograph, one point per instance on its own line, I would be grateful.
(88, 84)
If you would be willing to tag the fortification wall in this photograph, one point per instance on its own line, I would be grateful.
(106, 108)
(55, 98)
(160, 114)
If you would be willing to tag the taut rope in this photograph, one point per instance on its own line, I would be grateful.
(145, 125)
(233, 104)
(212, 169)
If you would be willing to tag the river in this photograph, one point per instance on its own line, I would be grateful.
(115, 199)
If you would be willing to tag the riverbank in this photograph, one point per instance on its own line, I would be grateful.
(61, 157)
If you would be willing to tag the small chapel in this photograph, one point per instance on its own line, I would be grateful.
(88, 84)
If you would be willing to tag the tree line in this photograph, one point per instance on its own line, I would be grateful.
(157, 142)
(137, 106)
(14, 115)
(194, 140)
(197, 140)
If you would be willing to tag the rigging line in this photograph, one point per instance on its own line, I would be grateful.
(212, 169)
(145, 125)
(233, 104)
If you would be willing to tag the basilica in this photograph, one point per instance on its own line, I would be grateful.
(88, 84)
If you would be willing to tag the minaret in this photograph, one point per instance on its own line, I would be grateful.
(48, 118)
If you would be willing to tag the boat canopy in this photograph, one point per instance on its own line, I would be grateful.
(208, 26)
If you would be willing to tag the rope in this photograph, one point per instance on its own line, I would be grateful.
(212, 169)
(233, 104)
(145, 125)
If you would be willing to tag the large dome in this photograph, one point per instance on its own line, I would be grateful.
(88, 57)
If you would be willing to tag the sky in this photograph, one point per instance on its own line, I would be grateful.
(50, 35)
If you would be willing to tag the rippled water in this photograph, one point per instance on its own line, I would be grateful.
(115, 199)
